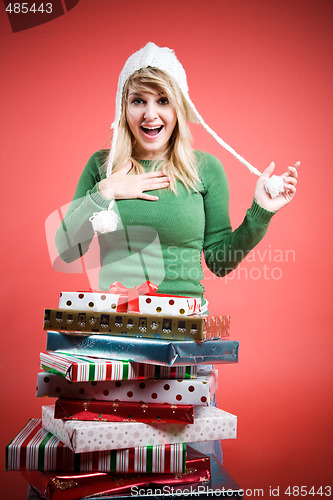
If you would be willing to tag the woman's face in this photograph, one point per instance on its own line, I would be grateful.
(152, 120)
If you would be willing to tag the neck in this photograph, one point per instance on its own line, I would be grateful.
(149, 155)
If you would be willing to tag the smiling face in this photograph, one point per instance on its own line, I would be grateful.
(152, 120)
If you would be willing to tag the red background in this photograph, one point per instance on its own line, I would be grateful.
(260, 73)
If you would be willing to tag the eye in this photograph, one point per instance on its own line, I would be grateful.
(163, 101)
(137, 100)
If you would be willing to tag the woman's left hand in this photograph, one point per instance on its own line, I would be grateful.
(290, 181)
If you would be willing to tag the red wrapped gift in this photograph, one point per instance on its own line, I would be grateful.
(74, 486)
(117, 411)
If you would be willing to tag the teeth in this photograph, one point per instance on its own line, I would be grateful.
(152, 128)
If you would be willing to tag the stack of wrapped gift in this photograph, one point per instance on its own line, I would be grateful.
(133, 377)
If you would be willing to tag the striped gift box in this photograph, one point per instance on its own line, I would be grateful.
(86, 369)
(34, 448)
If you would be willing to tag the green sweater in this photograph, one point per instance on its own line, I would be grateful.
(162, 240)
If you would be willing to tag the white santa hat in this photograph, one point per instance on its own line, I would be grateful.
(164, 59)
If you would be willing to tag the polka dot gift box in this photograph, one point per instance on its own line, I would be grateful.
(116, 302)
(197, 391)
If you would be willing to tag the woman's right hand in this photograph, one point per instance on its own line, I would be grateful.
(121, 186)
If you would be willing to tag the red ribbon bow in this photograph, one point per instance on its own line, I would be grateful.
(129, 297)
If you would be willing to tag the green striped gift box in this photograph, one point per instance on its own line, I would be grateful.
(88, 369)
(34, 448)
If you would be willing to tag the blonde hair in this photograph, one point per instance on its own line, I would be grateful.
(178, 162)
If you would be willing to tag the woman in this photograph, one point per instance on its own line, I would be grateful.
(155, 203)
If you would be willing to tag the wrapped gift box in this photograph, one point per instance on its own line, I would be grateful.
(159, 352)
(220, 485)
(137, 325)
(197, 392)
(34, 448)
(210, 423)
(74, 486)
(84, 368)
(147, 304)
(104, 411)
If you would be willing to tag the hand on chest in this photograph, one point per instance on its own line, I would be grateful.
(176, 218)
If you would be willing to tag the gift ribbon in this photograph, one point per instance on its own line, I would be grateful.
(129, 297)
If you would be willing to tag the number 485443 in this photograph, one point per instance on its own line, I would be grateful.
(23, 8)
(303, 491)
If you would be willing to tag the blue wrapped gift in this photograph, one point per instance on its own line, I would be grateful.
(160, 352)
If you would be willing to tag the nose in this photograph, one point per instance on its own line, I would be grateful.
(150, 111)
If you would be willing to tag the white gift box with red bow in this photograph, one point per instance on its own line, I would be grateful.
(141, 299)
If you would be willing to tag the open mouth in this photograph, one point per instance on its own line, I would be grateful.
(152, 131)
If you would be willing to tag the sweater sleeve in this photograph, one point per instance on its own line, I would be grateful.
(224, 248)
(75, 233)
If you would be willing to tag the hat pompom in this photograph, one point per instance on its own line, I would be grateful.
(105, 221)
(274, 186)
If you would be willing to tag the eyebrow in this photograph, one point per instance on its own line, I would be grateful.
(140, 94)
